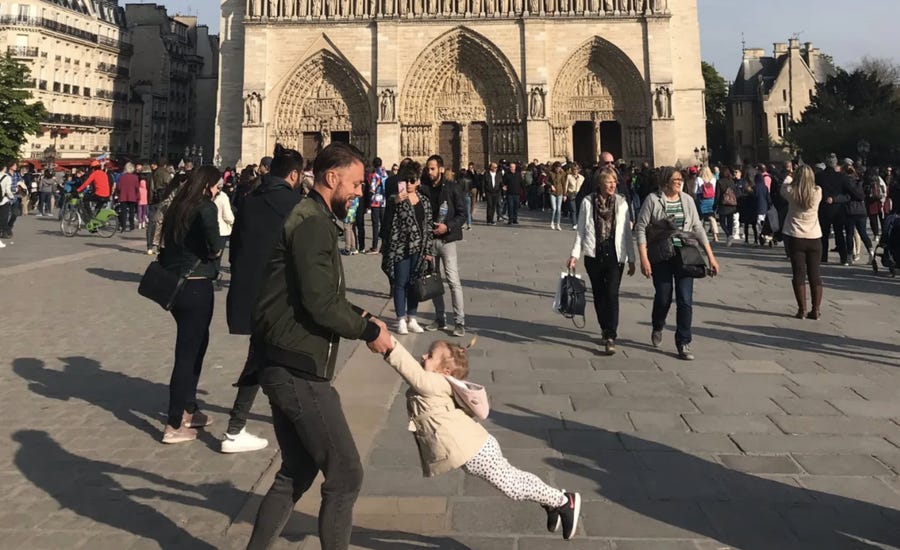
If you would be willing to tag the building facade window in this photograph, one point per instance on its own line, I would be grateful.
(784, 121)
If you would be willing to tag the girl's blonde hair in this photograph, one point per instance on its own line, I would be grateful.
(457, 364)
(706, 175)
(805, 188)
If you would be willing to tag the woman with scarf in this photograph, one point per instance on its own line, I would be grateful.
(406, 245)
(604, 238)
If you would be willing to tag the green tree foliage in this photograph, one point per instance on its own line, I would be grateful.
(847, 108)
(18, 116)
(716, 104)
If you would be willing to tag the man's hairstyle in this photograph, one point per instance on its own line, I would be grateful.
(285, 161)
(437, 158)
(831, 160)
(337, 155)
(377, 162)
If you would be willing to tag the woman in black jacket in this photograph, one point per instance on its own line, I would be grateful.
(191, 244)
(727, 195)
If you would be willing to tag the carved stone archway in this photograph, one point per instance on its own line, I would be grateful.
(324, 97)
(462, 79)
(601, 85)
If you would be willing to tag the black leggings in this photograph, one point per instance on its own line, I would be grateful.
(755, 227)
(806, 260)
(193, 312)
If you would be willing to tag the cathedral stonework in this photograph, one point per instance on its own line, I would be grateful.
(473, 80)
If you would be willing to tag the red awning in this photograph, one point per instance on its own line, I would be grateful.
(34, 162)
(73, 163)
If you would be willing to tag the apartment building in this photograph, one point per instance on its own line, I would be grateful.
(174, 78)
(79, 53)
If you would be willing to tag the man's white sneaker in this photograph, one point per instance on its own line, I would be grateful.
(414, 326)
(2, 245)
(402, 327)
(243, 442)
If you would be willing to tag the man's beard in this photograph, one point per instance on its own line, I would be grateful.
(339, 208)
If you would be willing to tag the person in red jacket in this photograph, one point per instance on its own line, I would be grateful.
(129, 193)
(98, 182)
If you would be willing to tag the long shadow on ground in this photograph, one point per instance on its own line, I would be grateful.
(97, 490)
(664, 484)
(133, 400)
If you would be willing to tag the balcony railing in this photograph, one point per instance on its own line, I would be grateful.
(75, 32)
(22, 51)
(80, 120)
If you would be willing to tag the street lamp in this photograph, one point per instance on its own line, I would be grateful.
(701, 155)
(863, 149)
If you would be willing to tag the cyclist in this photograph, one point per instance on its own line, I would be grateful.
(98, 183)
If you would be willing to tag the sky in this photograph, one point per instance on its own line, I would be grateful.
(847, 34)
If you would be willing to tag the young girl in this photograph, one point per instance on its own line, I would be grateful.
(448, 438)
(142, 204)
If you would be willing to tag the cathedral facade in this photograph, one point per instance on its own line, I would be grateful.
(473, 80)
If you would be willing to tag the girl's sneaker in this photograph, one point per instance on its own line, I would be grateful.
(568, 514)
(179, 435)
(402, 328)
(553, 520)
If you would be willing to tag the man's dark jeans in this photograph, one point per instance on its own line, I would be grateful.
(492, 199)
(512, 207)
(832, 216)
(666, 278)
(314, 436)
(377, 214)
(151, 224)
(246, 395)
(606, 278)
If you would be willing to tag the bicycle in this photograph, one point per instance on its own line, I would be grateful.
(105, 223)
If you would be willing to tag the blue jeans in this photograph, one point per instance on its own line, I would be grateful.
(513, 207)
(665, 277)
(404, 303)
(555, 208)
(468, 209)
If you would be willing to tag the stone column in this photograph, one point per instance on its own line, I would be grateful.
(463, 145)
(598, 143)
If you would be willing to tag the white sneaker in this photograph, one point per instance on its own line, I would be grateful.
(2, 245)
(414, 326)
(243, 442)
(552, 226)
(558, 228)
(401, 327)
(574, 228)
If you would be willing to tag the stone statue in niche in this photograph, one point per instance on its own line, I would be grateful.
(386, 105)
(668, 102)
(288, 9)
(324, 134)
(534, 6)
(272, 8)
(255, 8)
(252, 109)
(536, 105)
(663, 102)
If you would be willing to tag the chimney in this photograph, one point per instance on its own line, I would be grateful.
(808, 46)
(794, 43)
(780, 49)
(754, 53)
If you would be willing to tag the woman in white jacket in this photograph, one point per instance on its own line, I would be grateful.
(226, 222)
(604, 238)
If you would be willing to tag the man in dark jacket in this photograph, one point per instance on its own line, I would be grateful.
(257, 226)
(300, 317)
(449, 211)
(512, 186)
(835, 192)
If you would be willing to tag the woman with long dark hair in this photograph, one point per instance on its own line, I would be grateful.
(191, 244)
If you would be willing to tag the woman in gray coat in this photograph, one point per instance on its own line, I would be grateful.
(673, 204)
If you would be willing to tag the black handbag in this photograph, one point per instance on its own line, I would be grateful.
(691, 262)
(161, 285)
(427, 287)
(572, 298)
